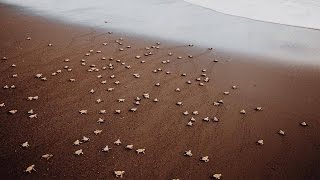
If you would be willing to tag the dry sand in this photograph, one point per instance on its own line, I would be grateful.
(288, 94)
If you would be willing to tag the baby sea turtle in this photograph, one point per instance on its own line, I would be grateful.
(99, 101)
(281, 132)
(188, 153)
(119, 174)
(206, 119)
(140, 151)
(217, 176)
(85, 139)
(33, 116)
(110, 89)
(121, 100)
(30, 111)
(179, 103)
(13, 111)
(77, 142)
(133, 109)
(106, 149)
(242, 111)
(215, 119)
(78, 152)
(136, 75)
(205, 158)
(303, 124)
(38, 75)
(83, 111)
(117, 142)
(104, 82)
(25, 144)
(30, 169)
(130, 146)
(226, 93)
(146, 95)
(100, 120)
(102, 111)
(98, 131)
(260, 142)
(47, 156)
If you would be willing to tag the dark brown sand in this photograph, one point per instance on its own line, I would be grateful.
(288, 94)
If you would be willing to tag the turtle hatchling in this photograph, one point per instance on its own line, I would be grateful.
(130, 146)
(78, 152)
(106, 149)
(217, 176)
(205, 159)
(25, 144)
(188, 153)
(96, 132)
(30, 169)
(119, 174)
(47, 156)
(117, 142)
(140, 151)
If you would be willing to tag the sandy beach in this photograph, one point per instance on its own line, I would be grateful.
(288, 95)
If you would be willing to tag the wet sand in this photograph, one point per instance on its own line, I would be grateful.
(288, 93)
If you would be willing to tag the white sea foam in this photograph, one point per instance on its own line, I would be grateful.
(303, 13)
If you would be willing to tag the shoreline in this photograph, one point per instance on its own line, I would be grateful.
(287, 93)
(224, 32)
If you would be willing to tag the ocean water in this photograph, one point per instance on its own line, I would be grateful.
(302, 13)
(178, 20)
